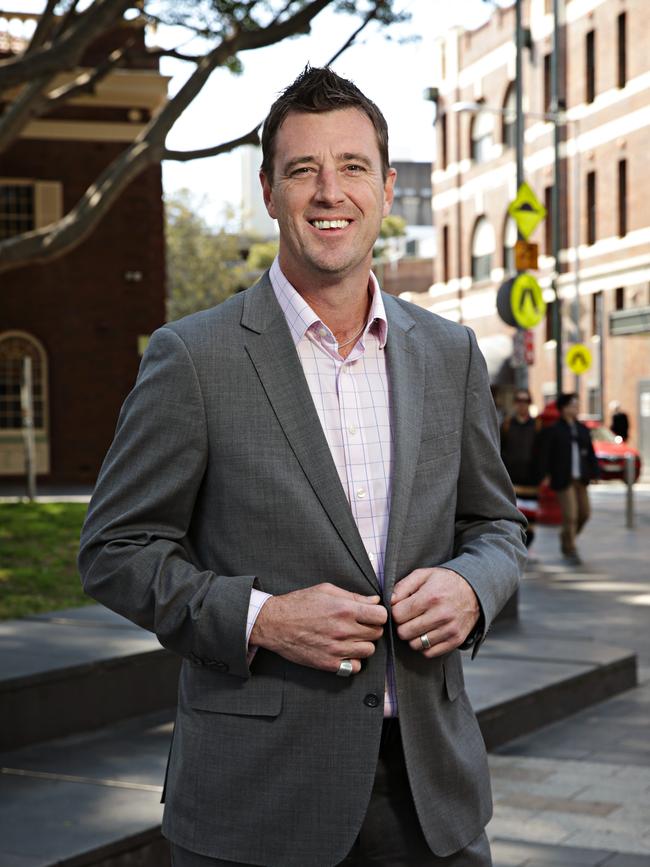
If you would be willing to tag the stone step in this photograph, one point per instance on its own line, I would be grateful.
(75, 670)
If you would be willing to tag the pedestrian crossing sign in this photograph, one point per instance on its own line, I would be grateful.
(526, 301)
(578, 358)
(526, 210)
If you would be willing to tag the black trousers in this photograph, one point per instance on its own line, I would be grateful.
(390, 835)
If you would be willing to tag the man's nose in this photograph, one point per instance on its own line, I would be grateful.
(328, 189)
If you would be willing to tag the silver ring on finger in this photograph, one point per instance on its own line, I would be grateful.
(345, 668)
(424, 641)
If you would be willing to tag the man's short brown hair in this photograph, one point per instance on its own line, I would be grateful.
(319, 90)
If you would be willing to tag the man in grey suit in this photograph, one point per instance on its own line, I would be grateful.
(305, 500)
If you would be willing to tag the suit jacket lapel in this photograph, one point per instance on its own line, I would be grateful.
(405, 362)
(272, 352)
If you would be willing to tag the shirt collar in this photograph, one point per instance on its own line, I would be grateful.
(300, 316)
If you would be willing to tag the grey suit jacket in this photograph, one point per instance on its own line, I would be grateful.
(220, 479)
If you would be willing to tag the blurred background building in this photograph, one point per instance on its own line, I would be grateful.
(83, 317)
(604, 261)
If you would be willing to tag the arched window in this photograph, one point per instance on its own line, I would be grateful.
(15, 346)
(509, 241)
(483, 246)
(482, 136)
(509, 124)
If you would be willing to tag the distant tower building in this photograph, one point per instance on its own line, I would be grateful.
(255, 219)
(83, 317)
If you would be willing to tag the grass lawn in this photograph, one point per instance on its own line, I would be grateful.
(38, 552)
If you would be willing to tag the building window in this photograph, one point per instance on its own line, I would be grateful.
(619, 299)
(509, 127)
(14, 348)
(547, 82)
(548, 221)
(590, 66)
(591, 208)
(482, 137)
(444, 143)
(509, 241)
(483, 246)
(549, 327)
(622, 50)
(622, 197)
(594, 406)
(596, 312)
(445, 254)
(16, 209)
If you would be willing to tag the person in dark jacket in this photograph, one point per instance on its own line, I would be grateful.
(569, 463)
(520, 454)
(620, 425)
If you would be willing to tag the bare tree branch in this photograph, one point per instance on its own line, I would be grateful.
(65, 54)
(251, 137)
(85, 83)
(44, 27)
(27, 105)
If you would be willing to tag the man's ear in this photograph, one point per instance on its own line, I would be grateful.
(267, 193)
(388, 191)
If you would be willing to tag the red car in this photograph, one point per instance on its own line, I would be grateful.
(611, 451)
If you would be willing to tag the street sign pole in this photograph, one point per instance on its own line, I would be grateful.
(555, 197)
(521, 372)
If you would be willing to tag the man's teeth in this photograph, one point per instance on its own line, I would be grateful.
(331, 224)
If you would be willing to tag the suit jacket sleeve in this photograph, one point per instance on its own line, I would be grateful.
(135, 555)
(489, 549)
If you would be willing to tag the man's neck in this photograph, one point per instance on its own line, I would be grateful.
(341, 302)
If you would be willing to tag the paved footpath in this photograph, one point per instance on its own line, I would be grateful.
(577, 792)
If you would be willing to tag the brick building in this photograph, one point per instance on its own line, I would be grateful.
(604, 263)
(82, 317)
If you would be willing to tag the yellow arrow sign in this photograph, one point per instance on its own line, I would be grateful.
(578, 358)
(526, 210)
(526, 301)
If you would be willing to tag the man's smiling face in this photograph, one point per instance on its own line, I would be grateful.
(327, 194)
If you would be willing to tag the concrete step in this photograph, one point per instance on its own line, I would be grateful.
(94, 798)
(75, 670)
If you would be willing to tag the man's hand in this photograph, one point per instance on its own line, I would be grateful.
(436, 602)
(320, 626)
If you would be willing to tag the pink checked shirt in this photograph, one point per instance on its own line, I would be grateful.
(352, 399)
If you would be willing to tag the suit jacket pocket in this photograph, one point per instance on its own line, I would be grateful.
(454, 678)
(260, 695)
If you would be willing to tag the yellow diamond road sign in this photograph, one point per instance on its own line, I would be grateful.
(526, 210)
(526, 301)
(578, 358)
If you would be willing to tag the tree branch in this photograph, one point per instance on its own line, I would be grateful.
(69, 47)
(27, 105)
(85, 83)
(251, 137)
(44, 27)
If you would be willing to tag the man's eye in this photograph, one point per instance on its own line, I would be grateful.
(354, 168)
(301, 170)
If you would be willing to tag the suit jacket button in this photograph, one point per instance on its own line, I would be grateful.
(371, 700)
(217, 665)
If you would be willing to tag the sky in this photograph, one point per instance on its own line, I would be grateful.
(392, 74)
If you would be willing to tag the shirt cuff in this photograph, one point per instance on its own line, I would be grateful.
(257, 601)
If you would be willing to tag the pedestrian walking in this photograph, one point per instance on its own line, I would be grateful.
(520, 444)
(620, 424)
(305, 501)
(569, 464)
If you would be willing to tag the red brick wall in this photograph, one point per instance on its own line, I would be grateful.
(81, 307)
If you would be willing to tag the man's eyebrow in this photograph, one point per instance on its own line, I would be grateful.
(355, 158)
(297, 161)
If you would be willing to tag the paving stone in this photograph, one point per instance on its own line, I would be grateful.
(622, 860)
(617, 841)
(529, 801)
